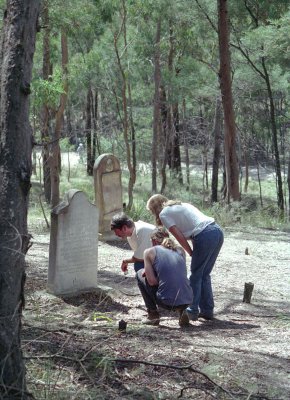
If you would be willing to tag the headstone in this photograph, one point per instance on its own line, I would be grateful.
(108, 192)
(73, 251)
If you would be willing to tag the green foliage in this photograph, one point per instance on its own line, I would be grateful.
(47, 91)
(65, 145)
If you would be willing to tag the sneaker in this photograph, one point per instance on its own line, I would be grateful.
(153, 318)
(183, 318)
(208, 317)
(191, 315)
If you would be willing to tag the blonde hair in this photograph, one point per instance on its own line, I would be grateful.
(157, 202)
(172, 203)
(161, 236)
(155, 205)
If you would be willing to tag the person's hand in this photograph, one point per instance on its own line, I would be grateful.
(144, 274)
(124, 266)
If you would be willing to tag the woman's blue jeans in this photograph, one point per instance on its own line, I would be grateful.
(206, 247)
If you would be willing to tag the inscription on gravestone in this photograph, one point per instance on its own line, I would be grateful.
(73, 252)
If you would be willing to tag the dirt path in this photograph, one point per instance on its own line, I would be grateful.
(245, 349)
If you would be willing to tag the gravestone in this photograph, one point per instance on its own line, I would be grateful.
(108, 192)
(73, 250)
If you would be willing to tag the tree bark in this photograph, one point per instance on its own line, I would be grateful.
(288, 183)
(217, 135)
(280, 196)
(176, 156)
(156, 105)
(246, 160)
(96, 142)
(185, 143)
(45, 112)
(164, 137)
(55, 149)
(16, 57)
(231, 162)
(88, 129)
(125, 118)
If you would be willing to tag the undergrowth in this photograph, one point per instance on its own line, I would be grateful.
(258, 207)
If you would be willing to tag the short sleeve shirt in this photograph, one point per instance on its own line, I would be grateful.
(141, 238)
(187, 218)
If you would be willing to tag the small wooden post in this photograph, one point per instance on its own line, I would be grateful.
(122, 325)
(248, 290)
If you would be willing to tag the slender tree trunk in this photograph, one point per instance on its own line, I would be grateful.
(156, 106)
(133, 161)
(55, 149)
(97, 146)
(231, 162)
(288, 182)
(94, 113)
(45, 112)
(16, 56)
(176, 157)
(280, 196)
(88, 129)
(246, 158)
(217, 135)
(259, 181)
(164, 138)
(185, 142)
(170, 124)
(125, 117)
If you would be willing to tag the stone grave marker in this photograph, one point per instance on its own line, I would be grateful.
(108, 192)
(73, 250)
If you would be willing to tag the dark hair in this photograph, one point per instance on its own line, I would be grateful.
(121, 219)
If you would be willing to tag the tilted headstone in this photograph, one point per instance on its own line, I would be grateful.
(108, 192)
(73, 251)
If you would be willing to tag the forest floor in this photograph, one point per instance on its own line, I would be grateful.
(74, 350)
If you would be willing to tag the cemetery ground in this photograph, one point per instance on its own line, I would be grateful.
(74, 349)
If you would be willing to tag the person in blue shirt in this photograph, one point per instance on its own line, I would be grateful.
(163, 282)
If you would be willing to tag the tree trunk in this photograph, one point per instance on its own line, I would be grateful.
(176, 157)
(125, 117)
(163, 144)
(217, 135)
(246, 158)
(231, 162)
(55, 149)
(94, 113)
(88, 130)
(259, 181)
(288, 182)
(280, 196)
(185, 143)
(96, 142)
(45, 112)
(156, 106)
(16, 53)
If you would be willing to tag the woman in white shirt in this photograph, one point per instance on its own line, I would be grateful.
(187, 222)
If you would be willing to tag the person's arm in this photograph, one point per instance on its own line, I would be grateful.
(181, 239)
(124, 265)
(149, 257)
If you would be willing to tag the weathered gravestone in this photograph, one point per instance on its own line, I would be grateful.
(73, 251)
(108, 192)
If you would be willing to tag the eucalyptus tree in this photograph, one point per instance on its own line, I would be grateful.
(65, 30)
(257, 25)
(16, 57)
(231, 162)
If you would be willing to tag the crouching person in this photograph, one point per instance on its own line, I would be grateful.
(163, 281)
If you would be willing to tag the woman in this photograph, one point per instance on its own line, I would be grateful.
(186, 222)
(163, 282)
